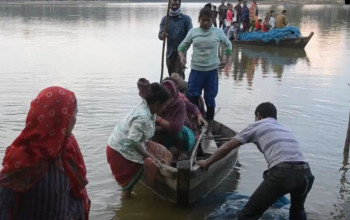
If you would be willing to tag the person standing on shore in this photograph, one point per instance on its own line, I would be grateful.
(214, 15)
(229, 16)
(245, 16)
(222, 14)
(178, 26)
(272, 21)
(253, 15)
(238, 9)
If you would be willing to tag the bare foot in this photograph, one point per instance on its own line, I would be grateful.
(126, 194)
(209, 135)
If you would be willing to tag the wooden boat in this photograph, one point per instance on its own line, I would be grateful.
(187, 182)
(299, 42)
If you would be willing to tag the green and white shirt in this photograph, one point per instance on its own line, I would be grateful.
(135, 128)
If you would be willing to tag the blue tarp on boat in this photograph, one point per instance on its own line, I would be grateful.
(235, 202)
(275, 34)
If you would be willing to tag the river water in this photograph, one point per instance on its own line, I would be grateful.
(99, 50)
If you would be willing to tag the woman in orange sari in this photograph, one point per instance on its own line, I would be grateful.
(44, 174)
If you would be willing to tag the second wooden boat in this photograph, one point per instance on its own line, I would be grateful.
(299, 42)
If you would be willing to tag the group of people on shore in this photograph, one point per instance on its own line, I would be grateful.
(44, 174)
(239, 18)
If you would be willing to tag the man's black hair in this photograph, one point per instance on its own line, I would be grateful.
(266, 110)
(177, 1)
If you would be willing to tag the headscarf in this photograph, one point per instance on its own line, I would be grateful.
(175, 111)
(42, 142)
(175, 12)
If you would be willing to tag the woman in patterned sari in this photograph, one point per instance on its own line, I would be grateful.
(126, 151)
(44, 174)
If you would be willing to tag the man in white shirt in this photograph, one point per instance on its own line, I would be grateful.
(232, 32)
(272, 22)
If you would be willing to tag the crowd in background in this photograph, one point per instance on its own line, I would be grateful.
(238, 18)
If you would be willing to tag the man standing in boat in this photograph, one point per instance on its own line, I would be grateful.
(178, 26)
(288, 171)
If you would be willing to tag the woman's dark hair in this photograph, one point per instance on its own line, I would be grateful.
(208, 5)
(204, 12)
(169, 78)
(266, 110)
(156, 94)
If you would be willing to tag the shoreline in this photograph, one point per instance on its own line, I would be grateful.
(69, 2)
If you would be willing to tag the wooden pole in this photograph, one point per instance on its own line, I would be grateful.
(347, 139)
(164, 40)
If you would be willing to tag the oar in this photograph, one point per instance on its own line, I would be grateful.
(219, 138)
(164, 40)
(194, 151)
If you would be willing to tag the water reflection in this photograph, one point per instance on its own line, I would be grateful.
(342, 206)
(146, 200)
(246, 59)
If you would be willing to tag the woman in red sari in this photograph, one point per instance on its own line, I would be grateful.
(44, 174)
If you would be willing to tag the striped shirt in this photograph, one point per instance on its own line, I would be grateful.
(276, 143)
(50, 198)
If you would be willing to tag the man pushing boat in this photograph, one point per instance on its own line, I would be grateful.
(288, 171)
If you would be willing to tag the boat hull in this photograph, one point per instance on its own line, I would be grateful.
(189, 183)
(299, 43)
